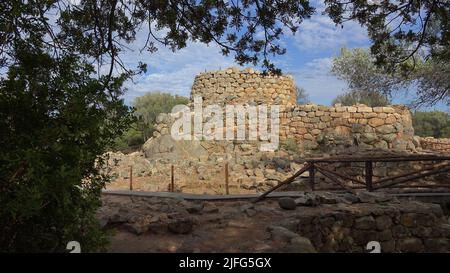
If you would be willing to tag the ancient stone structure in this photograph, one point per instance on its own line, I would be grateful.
(379, 127)
(329, 223)
(305, 130)
(309, 125)
(233, 86)
(402, 227)
(326, 222)
(440, 145)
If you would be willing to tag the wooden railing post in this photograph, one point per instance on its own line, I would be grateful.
(312, 171)
(226, 179)
(131, 178)
(369, 175)
(172, 180)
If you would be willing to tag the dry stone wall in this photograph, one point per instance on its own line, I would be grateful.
(402, 227)
(311, 126)
(440, 145)
(234, 86)
(314, 126)
(331, 223)
(305, 130)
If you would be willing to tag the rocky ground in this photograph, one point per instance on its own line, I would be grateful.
(311, 223)
(249, 172)
(172, 225)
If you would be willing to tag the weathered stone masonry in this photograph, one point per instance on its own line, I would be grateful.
(359, 125)
(441, 145)
(331, 223)
(309, 125)
(401, 227)
(314, 130)
(233, 86)
(335, 223)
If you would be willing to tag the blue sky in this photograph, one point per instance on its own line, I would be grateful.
(308, 59)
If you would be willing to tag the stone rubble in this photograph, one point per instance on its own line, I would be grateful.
(334, 225)
(305, 131)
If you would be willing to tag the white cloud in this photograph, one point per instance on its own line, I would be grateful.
(320, 33)
(174, 72)
(315, 77)
(171, 72)
(318, 66)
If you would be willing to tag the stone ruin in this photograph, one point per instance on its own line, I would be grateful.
(331, 222)
(233, 86)
(325, 222)
(305, 130)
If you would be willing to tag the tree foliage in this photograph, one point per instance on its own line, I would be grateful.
(55, 123)
(358, 69)
(102, 28)
(302, 95)
(410, 41)
(130, 141)
(433, 82)
(150, 105)
(59, 112)
(430, 79)
(146, 109)
(435, 124)
(372, 99)
(399, 29)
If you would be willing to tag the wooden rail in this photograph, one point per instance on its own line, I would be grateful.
(172, 179)
(285, 182)
(379, 159)
(316, 165)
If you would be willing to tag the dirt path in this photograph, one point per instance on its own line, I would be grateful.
(237, 236)
(235, 226)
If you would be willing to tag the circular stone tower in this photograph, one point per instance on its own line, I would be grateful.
(234, 86)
